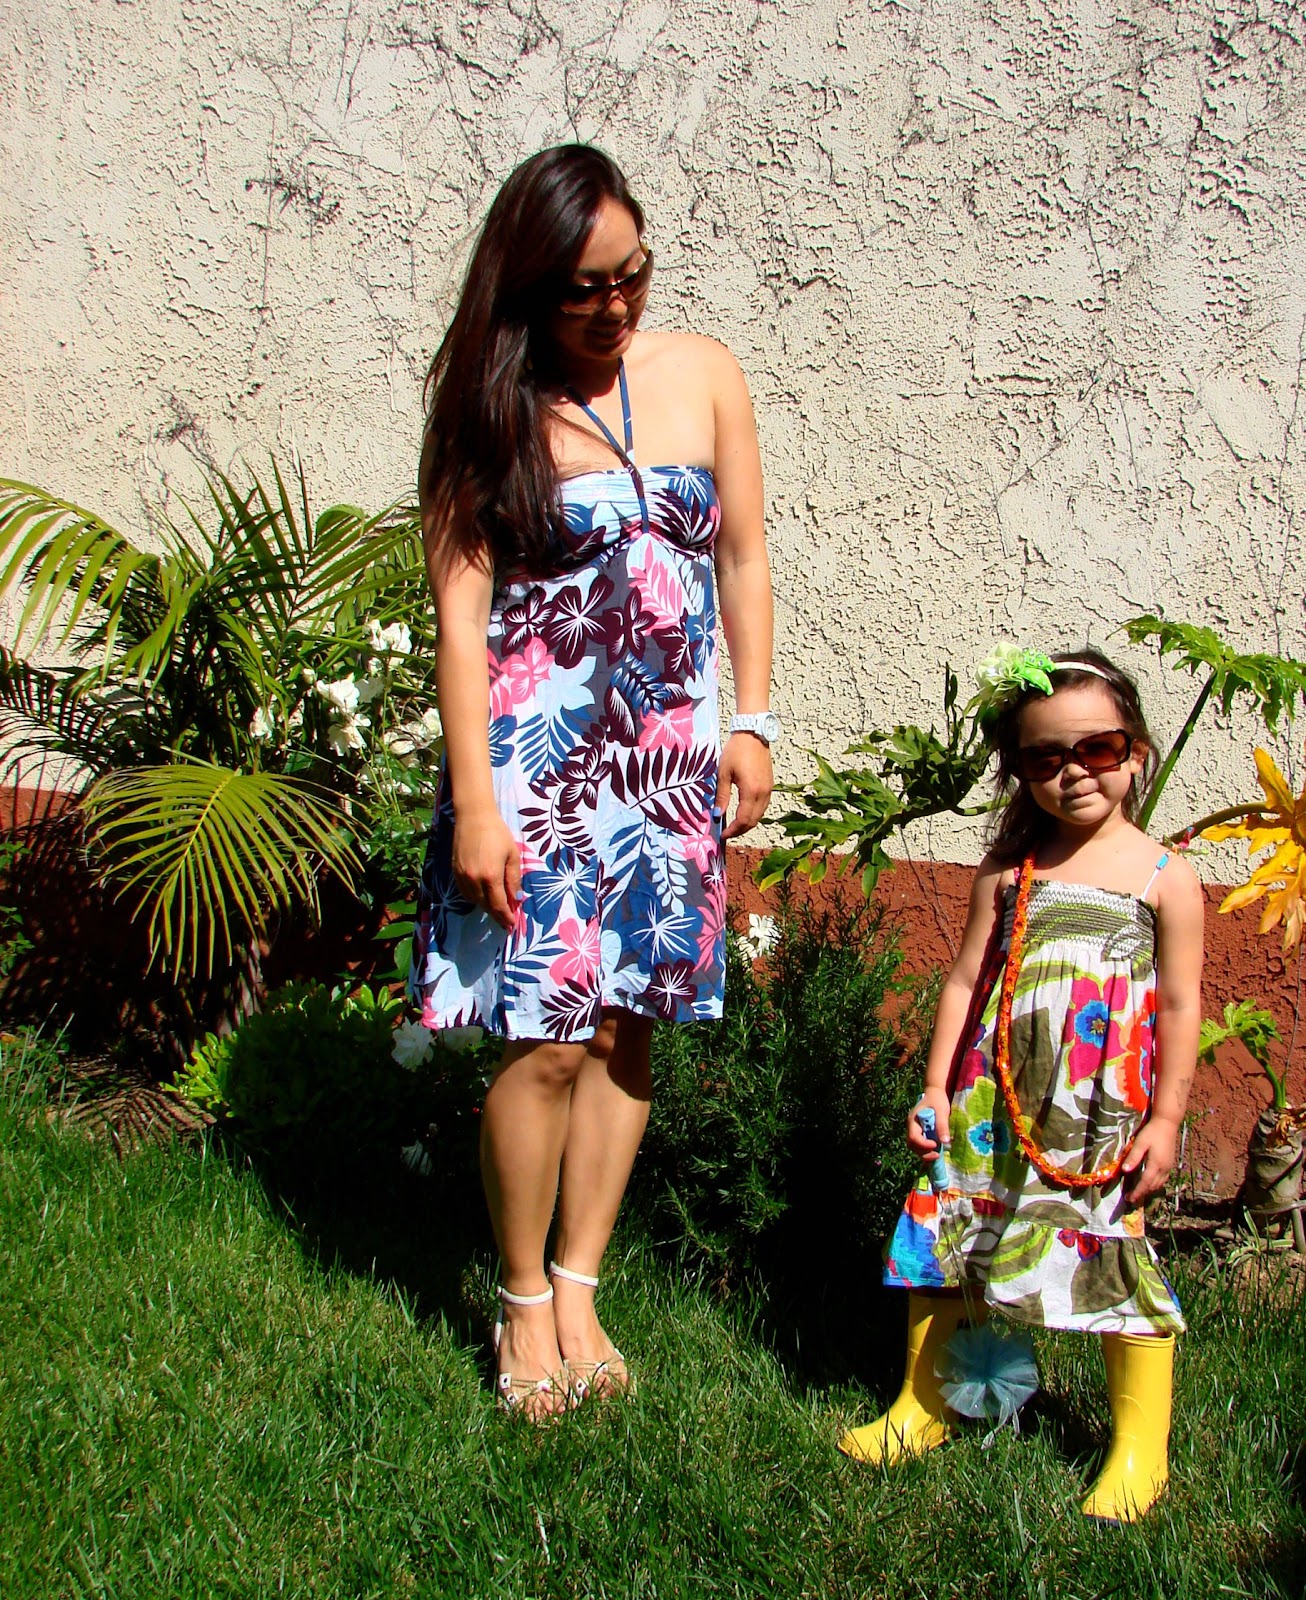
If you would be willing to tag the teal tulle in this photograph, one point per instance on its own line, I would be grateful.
(989, 1374)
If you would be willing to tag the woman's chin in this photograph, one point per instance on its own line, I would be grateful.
(615, 343)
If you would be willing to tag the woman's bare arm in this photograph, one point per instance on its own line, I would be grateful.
(486, 860)
(743, 585)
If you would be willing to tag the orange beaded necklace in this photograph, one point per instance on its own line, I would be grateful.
(1002, 1057)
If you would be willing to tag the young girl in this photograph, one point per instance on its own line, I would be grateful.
(1062, 1055)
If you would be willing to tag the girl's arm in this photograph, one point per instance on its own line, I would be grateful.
(1179, 909)
(743, 586)
(956, 999)
(486, 860)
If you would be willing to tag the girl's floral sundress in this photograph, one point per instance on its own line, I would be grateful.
(1082, 1042)
(604, 745)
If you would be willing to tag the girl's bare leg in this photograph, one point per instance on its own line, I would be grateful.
(609, 1112)
(523, 1133)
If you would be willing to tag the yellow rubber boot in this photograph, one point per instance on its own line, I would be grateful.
(1139, 1371)
(918, 1419)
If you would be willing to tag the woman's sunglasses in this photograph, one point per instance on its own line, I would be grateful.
(1099, 752)
(585, 299)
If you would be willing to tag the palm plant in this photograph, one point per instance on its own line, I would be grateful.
(216, 788)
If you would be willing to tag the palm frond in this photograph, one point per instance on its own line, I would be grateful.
(54, 711)
(68, 558)
(208, 853)
(372, 562)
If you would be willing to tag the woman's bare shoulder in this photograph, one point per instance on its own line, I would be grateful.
(692, 356)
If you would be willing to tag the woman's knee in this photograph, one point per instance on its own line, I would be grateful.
(548, 1063)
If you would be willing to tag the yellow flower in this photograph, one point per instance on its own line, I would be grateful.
(1283, 876)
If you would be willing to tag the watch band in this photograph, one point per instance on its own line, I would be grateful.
(765, 724)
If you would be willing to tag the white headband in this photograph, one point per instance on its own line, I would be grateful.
(1083, 666)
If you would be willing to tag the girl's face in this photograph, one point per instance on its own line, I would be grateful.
(612, 252)
(1076, 796)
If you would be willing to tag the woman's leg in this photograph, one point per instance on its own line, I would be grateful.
(609, 1112)
(523, 1132)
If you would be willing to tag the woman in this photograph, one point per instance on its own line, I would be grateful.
(574, 888)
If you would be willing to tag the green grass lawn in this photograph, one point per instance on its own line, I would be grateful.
(193, 1403)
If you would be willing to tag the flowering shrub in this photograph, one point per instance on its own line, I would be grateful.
(320, 1081)
(248, 700)
(791, 1111)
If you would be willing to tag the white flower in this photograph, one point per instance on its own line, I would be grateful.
(296, 717)
(261, 725)
(346, 734)
(416, 1159)
(461, 1039)
(342, 695)
(308, 675)
(427, 729)
(412, 1044)
(394, 639)
(761, 937)
(418, 734)
(370, 688)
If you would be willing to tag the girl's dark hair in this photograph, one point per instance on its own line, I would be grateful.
(1021, 825)
(488, 476)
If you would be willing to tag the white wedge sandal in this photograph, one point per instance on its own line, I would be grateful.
(514, 1394)
(603, 1379)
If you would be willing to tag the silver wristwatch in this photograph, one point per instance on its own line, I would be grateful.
(765, 724)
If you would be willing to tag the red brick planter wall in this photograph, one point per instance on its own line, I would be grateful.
(89, 962)
(928, 901)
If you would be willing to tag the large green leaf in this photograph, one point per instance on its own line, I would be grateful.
(207, 853)
(55, 711)
(66, 556)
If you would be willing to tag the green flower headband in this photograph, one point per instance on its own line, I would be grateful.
(1010, 670)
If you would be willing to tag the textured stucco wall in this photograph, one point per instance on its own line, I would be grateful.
(1019, 287)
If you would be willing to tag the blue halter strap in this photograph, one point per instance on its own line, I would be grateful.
(622, 455)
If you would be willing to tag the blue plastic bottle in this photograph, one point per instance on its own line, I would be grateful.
(928, 1123)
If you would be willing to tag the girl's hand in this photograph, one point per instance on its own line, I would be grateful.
(1152, 1158)
(745, 766)
(939, 1103)
(487, 864)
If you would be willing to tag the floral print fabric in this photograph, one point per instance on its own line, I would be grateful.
(1082, 1051)
(604, 746)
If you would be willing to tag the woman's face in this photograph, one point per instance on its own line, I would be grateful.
(602, 334)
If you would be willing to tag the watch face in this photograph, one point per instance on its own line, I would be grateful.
(769, 727)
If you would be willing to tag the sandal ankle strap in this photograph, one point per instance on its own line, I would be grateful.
(555, 1271)
(510, 1299)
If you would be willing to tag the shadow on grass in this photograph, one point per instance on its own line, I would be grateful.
(419, 1236)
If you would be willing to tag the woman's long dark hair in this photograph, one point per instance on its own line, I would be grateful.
(488, 477)
(1021, 825)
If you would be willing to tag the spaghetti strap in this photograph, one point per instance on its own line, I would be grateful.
(1156, 873)
(622, 455)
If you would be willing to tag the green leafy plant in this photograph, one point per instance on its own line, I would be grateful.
(920, 774)
(14, 943)
(916, 774)
(790, 1112)
(312, 1086)
(1254, 1028)
(308, 1080)
(1274, 684)
(244, 696)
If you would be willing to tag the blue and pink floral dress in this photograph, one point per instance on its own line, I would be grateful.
(604, 745)
(1082, 1042)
